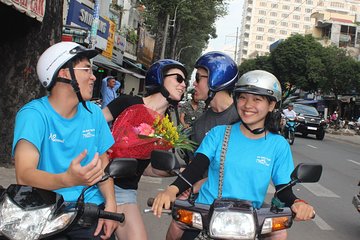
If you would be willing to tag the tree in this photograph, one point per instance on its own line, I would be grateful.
(24, 41)
(194, 25)
(297, 62)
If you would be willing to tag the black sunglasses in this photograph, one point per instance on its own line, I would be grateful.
(198, 77)
(179, 78)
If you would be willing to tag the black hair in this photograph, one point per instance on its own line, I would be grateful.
(272, 119)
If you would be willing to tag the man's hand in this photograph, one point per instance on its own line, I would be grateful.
(107, 225)
(84, 175)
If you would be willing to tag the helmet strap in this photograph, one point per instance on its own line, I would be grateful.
(166, 95)
(75, 86)
(255, 131)
(211, 95)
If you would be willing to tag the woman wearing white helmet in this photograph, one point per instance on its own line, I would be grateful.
(58, 140)
(256, 154)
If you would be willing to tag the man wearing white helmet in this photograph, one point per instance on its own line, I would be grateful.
(63, 138)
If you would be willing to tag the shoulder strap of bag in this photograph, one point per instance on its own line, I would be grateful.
(222, 159)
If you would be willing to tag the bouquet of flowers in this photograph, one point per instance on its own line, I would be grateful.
(139, 130)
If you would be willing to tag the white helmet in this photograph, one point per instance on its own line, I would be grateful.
(56, 56)
(259, 82)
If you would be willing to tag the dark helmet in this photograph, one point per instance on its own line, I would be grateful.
(154, 79)
(222, 70)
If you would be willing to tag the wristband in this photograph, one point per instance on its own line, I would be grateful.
(300, 200)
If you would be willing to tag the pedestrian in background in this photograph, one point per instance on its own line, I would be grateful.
(191, 110)
(132, 92)
(109, 87)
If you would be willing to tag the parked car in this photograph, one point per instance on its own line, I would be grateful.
(310, 121)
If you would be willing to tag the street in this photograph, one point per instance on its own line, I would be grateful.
(336, 218)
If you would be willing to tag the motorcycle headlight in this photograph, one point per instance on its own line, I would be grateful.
(232, 225)
(17, 223)
(59, 223)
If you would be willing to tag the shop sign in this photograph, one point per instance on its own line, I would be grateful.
(81, 15)
(32, 8)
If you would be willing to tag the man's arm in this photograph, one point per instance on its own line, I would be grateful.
(26, 162)
(117, 85)
(103, 84)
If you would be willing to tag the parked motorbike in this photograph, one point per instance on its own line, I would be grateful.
(30, 213)
(289, 130)
(234, 218)
(356, 201)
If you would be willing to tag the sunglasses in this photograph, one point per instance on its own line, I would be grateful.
(179, 78)
(198, 77)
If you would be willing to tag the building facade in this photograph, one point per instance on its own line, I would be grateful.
(267, 21)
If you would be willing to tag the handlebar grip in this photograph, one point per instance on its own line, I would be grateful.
(150, 202)
(120, 217)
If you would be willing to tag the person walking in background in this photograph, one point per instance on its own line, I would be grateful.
(61, 140)
(191, 110)
(132, 92)
(109, 87)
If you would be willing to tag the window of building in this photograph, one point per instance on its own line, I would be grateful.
(258, 46)
(297, 9)
(273, 14)
(263, 4)
(295, 25)
(259, 38)
(307, 27)
(284, 24)
(286, 7)
(284, 15)
(310, 2)
(260, 29)
(271, 39)
(283, 32)
(262, 12)
(337, 4)
(307, 19)
(296, 17)
(272, 22)
(272, 30)
(308, 10)
(274, 5)
(261, 20)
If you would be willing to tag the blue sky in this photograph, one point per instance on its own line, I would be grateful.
(226, 29)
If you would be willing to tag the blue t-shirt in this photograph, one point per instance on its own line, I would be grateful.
(60, 140)
(250, 164)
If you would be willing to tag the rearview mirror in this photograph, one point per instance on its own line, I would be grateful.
(163, 160)
(306, 173)
(121, 167)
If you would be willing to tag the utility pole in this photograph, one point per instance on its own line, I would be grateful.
(94, 25)
(236, 43)
(162, 56)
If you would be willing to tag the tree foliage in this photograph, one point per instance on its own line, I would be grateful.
(300, 62)
(194, 25)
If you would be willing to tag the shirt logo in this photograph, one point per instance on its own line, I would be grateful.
(88, 133)
(53, 138)
(263, 160)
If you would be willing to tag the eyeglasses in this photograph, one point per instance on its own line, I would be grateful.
(88, 70)
(198, 77)
(179, 78)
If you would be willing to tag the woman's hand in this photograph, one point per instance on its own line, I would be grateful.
(303, 211)
(164, 199)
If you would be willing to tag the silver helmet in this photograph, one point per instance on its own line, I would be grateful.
(259, 82)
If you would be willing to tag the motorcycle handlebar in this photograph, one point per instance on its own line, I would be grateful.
(120, 217)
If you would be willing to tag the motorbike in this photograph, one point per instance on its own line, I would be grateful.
(289, 131)
(234, 218)
(356, 201)
(30, 213)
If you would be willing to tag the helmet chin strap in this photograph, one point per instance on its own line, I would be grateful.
(74, 84)
(211, 95)
(255, 131)
(172, 102)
